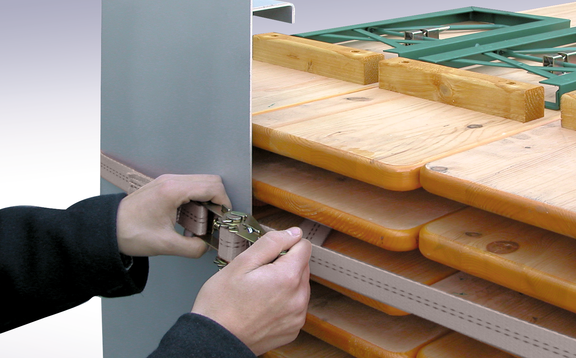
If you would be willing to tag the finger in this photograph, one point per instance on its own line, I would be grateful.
(186, 246)
(185, 188)
(208, 191)
(297, 256)
(268, 247)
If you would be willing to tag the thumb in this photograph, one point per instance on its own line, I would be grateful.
(267, 248)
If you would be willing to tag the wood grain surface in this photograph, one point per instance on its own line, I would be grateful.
(480, 92)
(536, 262)
(325, 59)
(527, 177)
(275, 87)
(456, 345)
(378, 136)
(388, 219)
(568, 109)
(349, 325)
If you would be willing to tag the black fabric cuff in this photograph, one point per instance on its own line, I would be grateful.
(52, 260)
(197, 336)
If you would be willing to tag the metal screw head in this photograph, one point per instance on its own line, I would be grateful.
(439, 169)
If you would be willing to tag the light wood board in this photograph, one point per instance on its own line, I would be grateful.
(378, 136)
(528, 177)
(536, 262)
(456, 345)
(275, 87)
(350, 326)
(329, 60)
(480, 92)
(388, 219)
(569, 110)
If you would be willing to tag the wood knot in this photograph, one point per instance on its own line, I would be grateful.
(502, 247)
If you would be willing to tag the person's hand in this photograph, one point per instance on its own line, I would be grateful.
(259, 297)
(146, 218)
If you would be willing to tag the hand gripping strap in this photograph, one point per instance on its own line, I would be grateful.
(484, 324)
(192, 216)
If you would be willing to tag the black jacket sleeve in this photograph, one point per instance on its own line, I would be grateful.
(52, 260)
(196, 336)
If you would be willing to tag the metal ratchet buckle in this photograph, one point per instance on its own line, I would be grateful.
(235, 222)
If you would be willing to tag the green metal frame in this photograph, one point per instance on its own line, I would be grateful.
(507, 39)
(500, 25)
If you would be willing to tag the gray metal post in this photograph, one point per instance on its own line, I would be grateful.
(175, 99)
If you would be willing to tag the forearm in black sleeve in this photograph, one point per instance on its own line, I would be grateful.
(52, 260)
(196, 336)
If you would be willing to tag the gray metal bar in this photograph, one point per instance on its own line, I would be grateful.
(175, 99)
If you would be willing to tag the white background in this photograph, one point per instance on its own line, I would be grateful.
(49, 121)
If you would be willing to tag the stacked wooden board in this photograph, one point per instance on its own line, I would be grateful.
(350, 154)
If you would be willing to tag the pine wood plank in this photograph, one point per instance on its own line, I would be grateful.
(565, 11)
(378, 136)
(408, 264)
(480, 92)
(345, 204)
(456, 345)
(363, 331)
(568, 107)
(527, 177)
(536, 262)
(510, 302)
(329, 60)
(275, 87)
(307, 346)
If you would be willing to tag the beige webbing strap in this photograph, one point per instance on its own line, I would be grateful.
(192, 216)
(492, 327)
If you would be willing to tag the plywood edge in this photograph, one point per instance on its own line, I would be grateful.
(330, 60)
(568, 110)
(398, 178)
(435, 180)
(488, 94)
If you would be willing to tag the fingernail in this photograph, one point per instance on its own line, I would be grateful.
(294, 232)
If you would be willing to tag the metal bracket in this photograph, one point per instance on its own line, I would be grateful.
(420, 35)
(494, 25)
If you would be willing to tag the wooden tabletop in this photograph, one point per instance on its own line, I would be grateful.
(370, 134)
(528, 177)
(385, 218)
